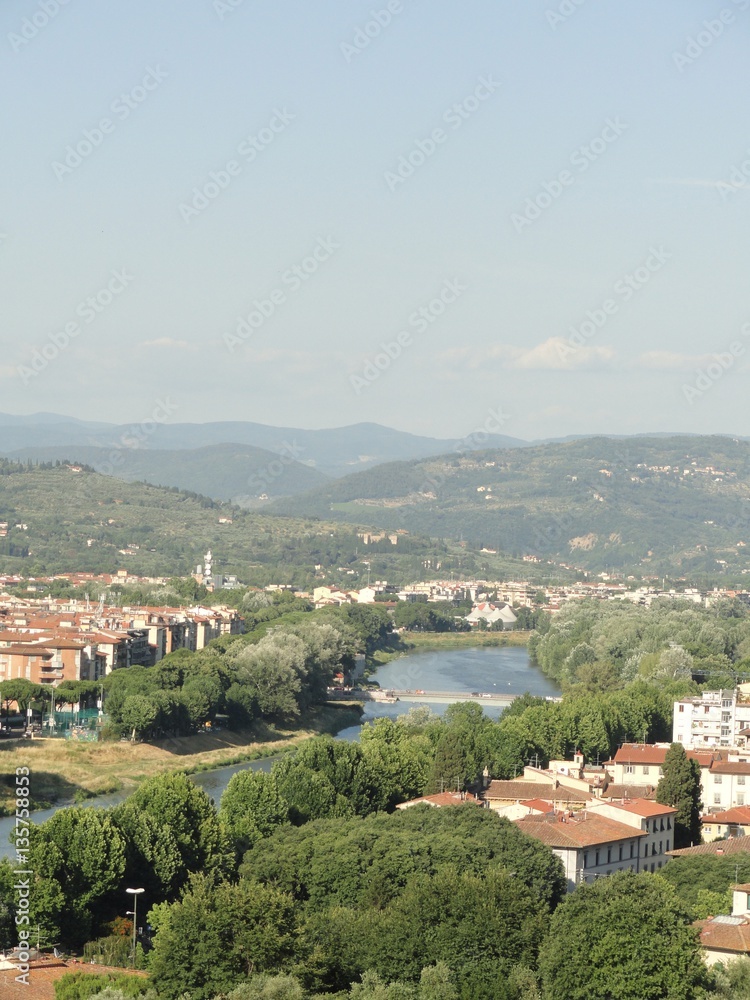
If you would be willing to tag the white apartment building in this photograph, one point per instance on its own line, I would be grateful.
(655, 821)
(713, 719)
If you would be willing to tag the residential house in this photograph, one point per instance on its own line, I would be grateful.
(651, 818)
(727, 937)
(588, 844)
(731, 823)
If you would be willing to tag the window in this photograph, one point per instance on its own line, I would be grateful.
(717, 779)
(620, 857)
(609, 855)
(661, 826)
(661, 849)
(653, 867)
(726, 716)
(740, 798)
(726, 703)
(725, 731)
(645, 769)
(631, 848)
(585, 859)
(681, 708)
(669, 822)
(660, 863)
(717, 798)
(740, 779)
(629, 769)
(667, 847)
(653, 850)
(596, 862)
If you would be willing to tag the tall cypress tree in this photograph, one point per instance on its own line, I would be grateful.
(680, 787)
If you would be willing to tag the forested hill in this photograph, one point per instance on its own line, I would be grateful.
(651, 505)
(61, 520)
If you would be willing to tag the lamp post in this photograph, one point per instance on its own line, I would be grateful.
(135, 893)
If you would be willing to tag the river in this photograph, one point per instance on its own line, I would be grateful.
(486, 669)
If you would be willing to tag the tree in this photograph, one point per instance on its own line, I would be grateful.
(177, 803)
(252, 807)
(79, 854)
(273, 670)
(217, 934)
(625, 937)
(680, 786)
(139, 714)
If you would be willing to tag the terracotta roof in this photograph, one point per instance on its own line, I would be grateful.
(730, 767)
(442, 799)
(43, 975)
(740, 814)
(585, 831)
(651, 753)
(539, 804)
(513, 791)
(726, 934)
(735, 845)
(643, 807)
(629, 792)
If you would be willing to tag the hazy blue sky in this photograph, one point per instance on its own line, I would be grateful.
(115, 116)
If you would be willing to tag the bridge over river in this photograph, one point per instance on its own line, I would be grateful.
(391, 695)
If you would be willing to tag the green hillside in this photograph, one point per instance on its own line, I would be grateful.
(644, 505)
(222, 471)
(61, 520)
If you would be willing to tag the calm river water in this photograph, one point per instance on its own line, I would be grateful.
(502, 670)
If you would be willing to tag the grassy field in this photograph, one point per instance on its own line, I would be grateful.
(63, 771)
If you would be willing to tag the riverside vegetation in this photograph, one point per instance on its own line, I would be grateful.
(305, 882)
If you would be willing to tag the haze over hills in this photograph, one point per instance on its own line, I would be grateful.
(644, 505)
(334, 452)
(234, 472)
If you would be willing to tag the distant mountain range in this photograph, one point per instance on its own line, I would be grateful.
(227, 460)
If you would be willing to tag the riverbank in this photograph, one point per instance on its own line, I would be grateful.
(63, 771)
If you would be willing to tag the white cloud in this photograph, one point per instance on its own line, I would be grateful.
(557, 354)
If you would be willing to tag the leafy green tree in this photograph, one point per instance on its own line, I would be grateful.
(153, 860)
(138, 715)
(266, 987)
(680, 786)
(273, 670)
(623, 937)
(101, 986)
(252, 807)
(178, 804)
(84, 853)
(218, 934)
(480, 926)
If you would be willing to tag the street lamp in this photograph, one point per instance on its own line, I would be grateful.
(135, 893)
